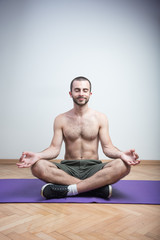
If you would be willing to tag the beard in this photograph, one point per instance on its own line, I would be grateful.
(79, 103)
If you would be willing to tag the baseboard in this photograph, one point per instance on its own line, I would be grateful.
(14, 161)
(143, 162)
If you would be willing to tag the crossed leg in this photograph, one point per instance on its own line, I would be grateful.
(49, 172)
(111, 173)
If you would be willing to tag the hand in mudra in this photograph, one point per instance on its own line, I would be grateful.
(130, 157)
(27, 159)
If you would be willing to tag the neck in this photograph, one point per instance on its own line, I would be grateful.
(80, 110)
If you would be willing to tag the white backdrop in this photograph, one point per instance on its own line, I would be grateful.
(45, 44)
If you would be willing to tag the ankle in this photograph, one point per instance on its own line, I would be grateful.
(72, 190)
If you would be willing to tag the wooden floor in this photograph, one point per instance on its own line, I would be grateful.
(50, 221)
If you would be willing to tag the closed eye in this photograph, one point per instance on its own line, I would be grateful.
(85, 90)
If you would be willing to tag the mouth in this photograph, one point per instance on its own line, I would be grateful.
(81, 98)
(80, 101)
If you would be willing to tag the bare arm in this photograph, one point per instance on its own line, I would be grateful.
(29, 158)
(108, 148)
(54, 149)
(130, 156)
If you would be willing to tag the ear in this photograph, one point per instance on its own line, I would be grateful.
(90, 93)
(70, 93)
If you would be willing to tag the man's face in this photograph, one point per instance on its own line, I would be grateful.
(80, 92)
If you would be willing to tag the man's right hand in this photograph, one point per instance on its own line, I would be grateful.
(28, 159)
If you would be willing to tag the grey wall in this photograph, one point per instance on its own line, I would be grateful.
(45, 44)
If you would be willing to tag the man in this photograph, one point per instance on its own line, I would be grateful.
(81, 129)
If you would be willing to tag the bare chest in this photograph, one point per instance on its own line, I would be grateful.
(86, 129)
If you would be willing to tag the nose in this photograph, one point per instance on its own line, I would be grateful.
(81, 92)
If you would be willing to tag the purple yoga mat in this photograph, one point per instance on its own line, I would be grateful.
(124, 191)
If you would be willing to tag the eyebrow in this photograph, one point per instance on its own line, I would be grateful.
(80, 88)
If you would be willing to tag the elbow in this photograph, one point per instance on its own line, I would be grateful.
(56, 153)
(104, 149)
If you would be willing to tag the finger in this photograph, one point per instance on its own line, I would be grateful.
(21, 158)
(136, 162)
(136, 156)
(132, 151)
(19, 165)
(130, 163)
(25, 154)
(24, 165)
(133, 164)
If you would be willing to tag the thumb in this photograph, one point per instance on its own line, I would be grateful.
(26, 154)
(132, 150)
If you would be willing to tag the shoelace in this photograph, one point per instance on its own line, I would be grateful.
(59, 190)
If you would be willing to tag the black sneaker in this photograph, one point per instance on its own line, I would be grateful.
(51, 190)
(103, 192)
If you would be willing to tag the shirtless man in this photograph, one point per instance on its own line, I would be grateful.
(81, 129)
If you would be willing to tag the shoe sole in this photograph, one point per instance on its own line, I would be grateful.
(110, 191)
(42, 189)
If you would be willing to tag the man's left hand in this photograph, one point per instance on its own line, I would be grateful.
(130, 157)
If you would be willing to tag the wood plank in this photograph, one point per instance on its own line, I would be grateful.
(37, 221)
(143, 162)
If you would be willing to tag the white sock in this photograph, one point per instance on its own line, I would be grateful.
(72, 190)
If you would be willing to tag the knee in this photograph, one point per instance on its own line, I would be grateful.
(123, 167)
(38, 168)
(120, 168)
(116, 170)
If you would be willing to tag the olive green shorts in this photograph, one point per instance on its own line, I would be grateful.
(80, 169)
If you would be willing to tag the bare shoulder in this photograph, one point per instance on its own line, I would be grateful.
(61, 118)
(58, 121)
(101, 117)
